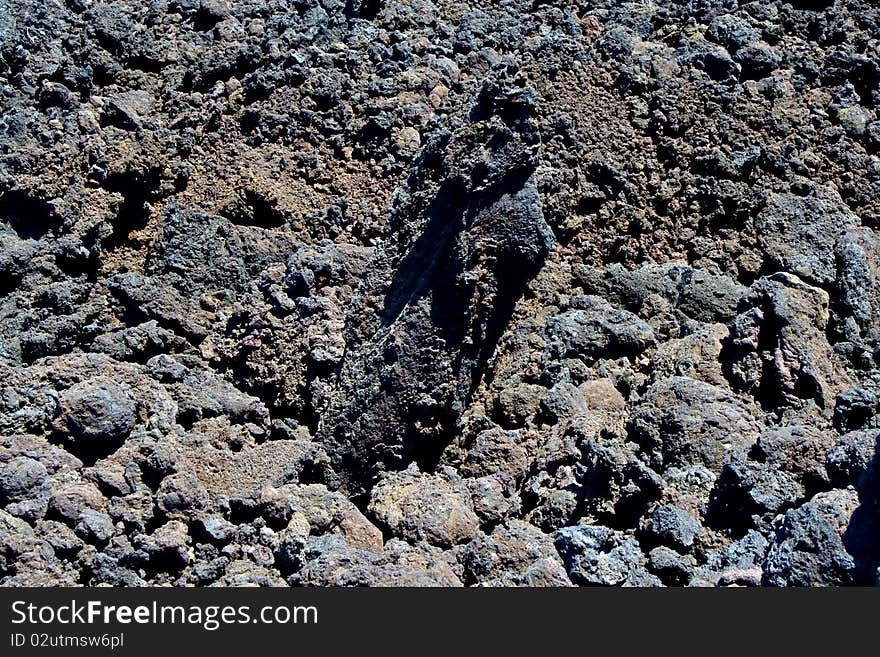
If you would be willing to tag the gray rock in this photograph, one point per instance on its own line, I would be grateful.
(493, 497)
(597, 555)
(21, 478)
(672, 568)
(808, 548)
(68, 501)
(323, 509)
(517, 403)
(218, 530)
(469, 236)
(617, 486)
(681, 422)
(854, 120)
(16, 539)
(514, 554)
(331, 562)
(699, 294)
(758, 59)
(595, 329)
(97, 412)
(748, 492)
(167, 546)
(744, 554)
(858, 282)
(561, 402)
(496, 451)
(290, 553)
(732, 31)
(799, 231)
(216, 9)
(241, 572)
(94, 527)
(850, 456)
(130, 108)
(858, 408)
(797, 450)
(696, 355)
(62, 538)
(674, 527)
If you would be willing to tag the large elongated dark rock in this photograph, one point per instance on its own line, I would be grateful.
(467, 235)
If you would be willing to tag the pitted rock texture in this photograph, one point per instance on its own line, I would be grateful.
(433, 293)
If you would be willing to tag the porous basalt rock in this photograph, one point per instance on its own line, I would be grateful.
(433, 293)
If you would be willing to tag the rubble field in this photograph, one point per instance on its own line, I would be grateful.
(437, 293)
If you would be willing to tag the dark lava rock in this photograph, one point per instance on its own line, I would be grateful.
(808, 546)
(799, 232)
(674, 527)
(436, 293)
(594, 328)
(94, 527)
(21, 478)
(97, 412)
(681, 422)
(597, 555)
(414, 366)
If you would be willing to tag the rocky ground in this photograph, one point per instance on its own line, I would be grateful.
(362, 292)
